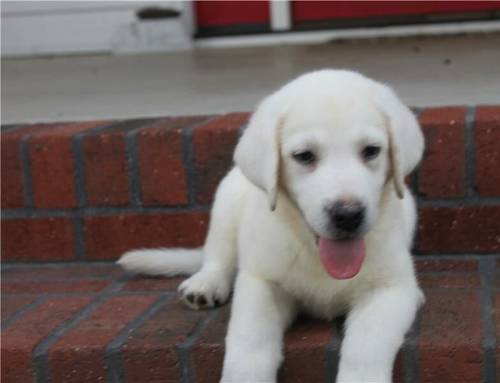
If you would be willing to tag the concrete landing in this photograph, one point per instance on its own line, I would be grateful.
(426, 71)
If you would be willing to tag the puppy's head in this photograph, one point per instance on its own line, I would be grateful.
(333, 140)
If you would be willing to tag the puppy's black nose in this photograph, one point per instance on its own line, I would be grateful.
(347, 216)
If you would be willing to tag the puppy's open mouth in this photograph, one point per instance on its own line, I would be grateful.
(341, 258)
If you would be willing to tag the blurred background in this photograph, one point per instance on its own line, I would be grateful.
(78, 60)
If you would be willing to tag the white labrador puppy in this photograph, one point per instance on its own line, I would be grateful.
(314, 217)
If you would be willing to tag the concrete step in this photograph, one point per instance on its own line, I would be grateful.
(92, 190)
(90, 322)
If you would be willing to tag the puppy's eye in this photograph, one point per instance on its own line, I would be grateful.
(370, 152)
(305, 157)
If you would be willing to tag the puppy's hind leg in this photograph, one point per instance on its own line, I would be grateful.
(211, 286)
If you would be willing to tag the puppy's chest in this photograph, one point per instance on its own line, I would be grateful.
(314, 289)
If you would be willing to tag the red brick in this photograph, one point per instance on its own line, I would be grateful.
(443, 116)
(487, 150)
(459, 229)
(53, 164)
(150, 354)
(39, 287)
(107, 237)
(161, 163)
(12, 304)
(19, 340)
(449, 281)
(153, 284)
(78, 356)
(208, 351)
(12, 182)
(213, 146)
(442, 171)
(305, 345)
(450, 337)
(106, 171)
(66, 272)
(426, 265)
(12, 186)
(37, 239)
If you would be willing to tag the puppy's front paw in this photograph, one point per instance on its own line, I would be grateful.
(205, 290)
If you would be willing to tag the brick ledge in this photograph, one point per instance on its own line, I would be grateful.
(71, 190)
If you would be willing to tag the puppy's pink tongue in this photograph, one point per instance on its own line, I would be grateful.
(342, 259)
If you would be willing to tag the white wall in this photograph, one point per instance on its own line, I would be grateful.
(68, 27)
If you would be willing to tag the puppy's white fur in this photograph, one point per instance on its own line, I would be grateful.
(269, 209)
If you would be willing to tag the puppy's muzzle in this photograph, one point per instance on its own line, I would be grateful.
(346, 217)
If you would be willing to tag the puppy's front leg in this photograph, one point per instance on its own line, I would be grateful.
(375, 329)
(260, 314)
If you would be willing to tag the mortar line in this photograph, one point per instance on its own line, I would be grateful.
(333, 350)
(188, 157)
(27, 180)
(184, 349)
(133, 167)
(410, 351)
(58, 279)
(455, 256)
(487, 269)
(474, 201)
(22, 311)
(101, 211)
(454, 289)
(87, 293)
(466, 253)
(115, 373)
(473, 256)
(80, 185)
(470, 155)
(40, 353)
(132, 158)
(52, 265)
(448, 273)
(415, 179)
(79, 238)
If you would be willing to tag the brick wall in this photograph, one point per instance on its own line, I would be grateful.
(91, 190)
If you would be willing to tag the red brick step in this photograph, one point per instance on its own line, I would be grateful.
(90, 322)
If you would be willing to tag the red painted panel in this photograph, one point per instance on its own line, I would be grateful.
(219, 13)
(324, 10)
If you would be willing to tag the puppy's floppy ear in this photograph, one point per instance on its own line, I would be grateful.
(258, 151)
(406, 141)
